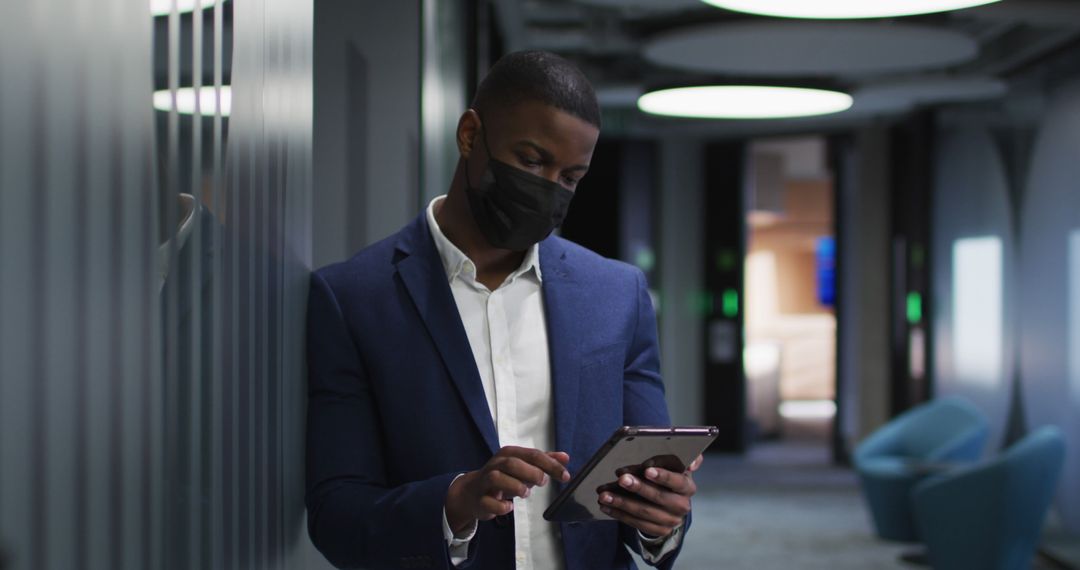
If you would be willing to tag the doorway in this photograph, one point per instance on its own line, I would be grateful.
(790, 321)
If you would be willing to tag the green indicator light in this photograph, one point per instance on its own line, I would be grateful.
(731, 303)
(914, 308)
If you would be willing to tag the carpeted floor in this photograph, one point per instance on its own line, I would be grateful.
(781, 506)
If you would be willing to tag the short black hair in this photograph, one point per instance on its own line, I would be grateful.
(538, 76)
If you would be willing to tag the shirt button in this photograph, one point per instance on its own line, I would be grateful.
(521, 557)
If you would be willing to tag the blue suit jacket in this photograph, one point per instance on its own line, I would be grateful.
(396, 408)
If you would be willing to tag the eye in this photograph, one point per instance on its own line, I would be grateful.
(530, 162)
(570, 182)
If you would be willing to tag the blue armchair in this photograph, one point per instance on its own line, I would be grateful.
(916, 444)
(990, 516)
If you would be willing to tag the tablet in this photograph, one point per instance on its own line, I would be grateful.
(629, 450)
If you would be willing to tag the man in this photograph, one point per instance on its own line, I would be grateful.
(463, 368)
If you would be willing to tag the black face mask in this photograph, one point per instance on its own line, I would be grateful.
(515, 209)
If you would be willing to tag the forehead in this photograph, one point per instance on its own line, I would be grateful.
(550, 127)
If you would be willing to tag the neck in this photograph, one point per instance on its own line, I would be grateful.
(455, 220)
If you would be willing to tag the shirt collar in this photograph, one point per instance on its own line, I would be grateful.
(455, 262)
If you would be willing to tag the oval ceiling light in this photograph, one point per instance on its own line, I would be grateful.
(743, 102)
(164, 7)
(844, 9)
(185, 100)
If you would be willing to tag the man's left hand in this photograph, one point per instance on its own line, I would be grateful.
(657, 505)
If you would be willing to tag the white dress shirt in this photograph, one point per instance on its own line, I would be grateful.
(507, 331)
(508, 335)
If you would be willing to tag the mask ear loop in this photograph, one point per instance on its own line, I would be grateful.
(487, 148)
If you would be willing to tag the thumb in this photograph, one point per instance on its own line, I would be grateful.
(697, 463)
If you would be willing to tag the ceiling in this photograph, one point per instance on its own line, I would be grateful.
(890, 66)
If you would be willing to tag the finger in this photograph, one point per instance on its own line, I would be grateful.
(560, 456)
(697, 463)
(522, 471)
(646, 526)
(677, 482)
(542, 460)
(490, 507)
(496, 481)
(671, 502)
(641, 509)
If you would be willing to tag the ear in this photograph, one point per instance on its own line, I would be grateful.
(468, 129)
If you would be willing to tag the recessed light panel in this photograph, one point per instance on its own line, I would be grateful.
(164, 7)
(844, 9)
(185, 100)
(743, 102)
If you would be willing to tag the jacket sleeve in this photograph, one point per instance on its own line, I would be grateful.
(354, 517)
(643, 396)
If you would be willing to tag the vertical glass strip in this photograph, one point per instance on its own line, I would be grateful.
(216, 459)
(96, 388)
(57, 298)
(192, 261)
(17, 149)
(1073, 348)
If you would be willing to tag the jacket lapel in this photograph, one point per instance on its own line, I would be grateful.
(564, 342)
(424, 277)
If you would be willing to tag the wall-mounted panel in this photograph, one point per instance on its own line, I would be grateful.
(973, 274)
(1050, 287)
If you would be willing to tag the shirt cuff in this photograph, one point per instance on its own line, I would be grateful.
(654, 549)
(457, 544)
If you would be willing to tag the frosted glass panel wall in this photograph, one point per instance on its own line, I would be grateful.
(80, 383)
(973, 274)
(977, 304)
(153, 270)
(1050, 292)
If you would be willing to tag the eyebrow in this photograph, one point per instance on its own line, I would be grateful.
(546, 155)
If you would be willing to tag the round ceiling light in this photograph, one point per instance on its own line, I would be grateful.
(185, 100)
(743, 102)
(844, 9)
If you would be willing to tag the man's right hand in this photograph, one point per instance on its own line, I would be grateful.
(489, 492)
